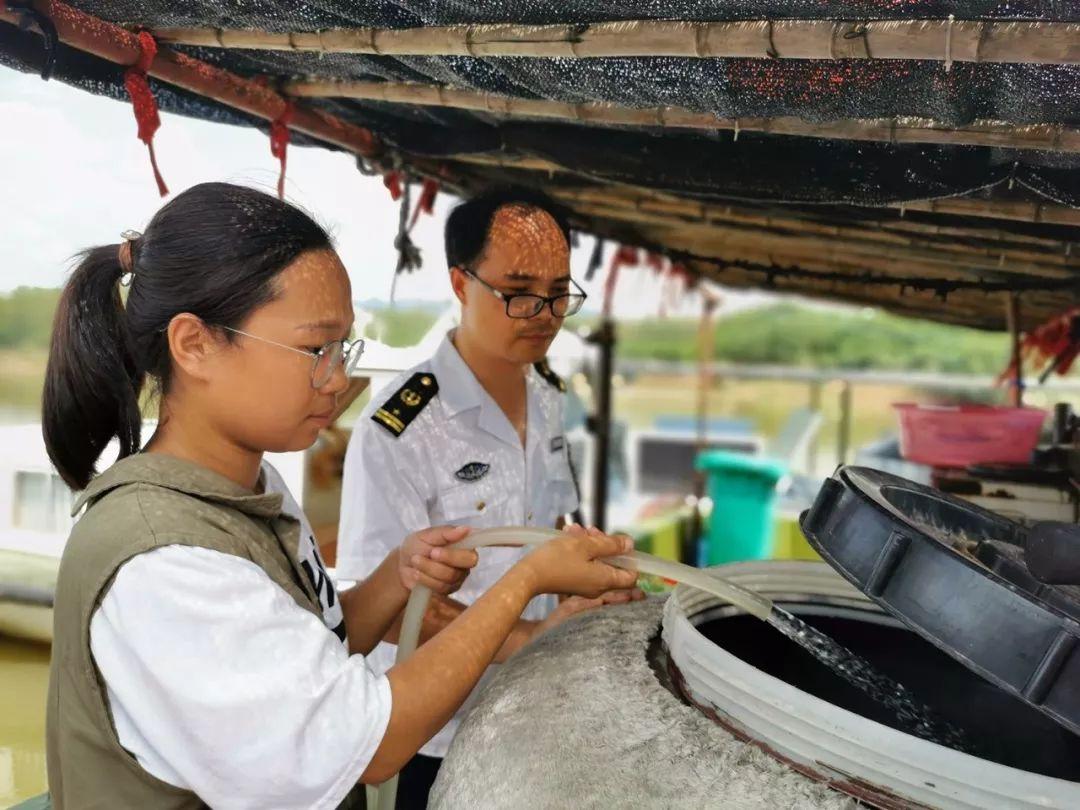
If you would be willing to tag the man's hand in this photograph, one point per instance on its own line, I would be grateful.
(428, 558)
(573, 605)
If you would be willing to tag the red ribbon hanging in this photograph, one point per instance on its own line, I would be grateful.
(142, 101)
(279, 142)
(1052, 346)
(392, 181)
(690, 281)
(624, 256)
(426, 203)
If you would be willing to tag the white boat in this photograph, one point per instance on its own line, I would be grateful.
(35, 503)
(35, 520)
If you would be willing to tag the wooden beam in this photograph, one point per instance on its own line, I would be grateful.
(1056, 138)
(932, 40)
(115, 44)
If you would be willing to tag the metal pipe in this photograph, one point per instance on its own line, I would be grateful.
(844, 437)
(815, 405)
(600, 424)
(1012, 317)
(26, 595)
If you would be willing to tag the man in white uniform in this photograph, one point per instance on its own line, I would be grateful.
(473, 436)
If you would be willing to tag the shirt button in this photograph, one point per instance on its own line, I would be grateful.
(480, 505)
(529, 516)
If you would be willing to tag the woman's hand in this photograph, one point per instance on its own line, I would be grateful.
(428, 558)
(573, 563)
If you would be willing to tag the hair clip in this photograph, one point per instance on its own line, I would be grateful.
(127, 260)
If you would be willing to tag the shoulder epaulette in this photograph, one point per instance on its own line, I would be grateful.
(407, 402)
(544, 370)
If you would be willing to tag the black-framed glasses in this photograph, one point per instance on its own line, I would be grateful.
(528, 305)
(326, 359)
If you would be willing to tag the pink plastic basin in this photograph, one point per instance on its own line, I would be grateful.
(961, 435)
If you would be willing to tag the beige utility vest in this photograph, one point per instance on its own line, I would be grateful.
(141, 503)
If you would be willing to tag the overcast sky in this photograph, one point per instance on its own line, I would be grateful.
(75, 175)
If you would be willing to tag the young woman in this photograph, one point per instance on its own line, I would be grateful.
(201, 656)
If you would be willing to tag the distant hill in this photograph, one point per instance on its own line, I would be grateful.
(413, 304)
(26, 316)
(782, 334)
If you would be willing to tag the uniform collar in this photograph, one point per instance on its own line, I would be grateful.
(460, 391)
(179, 475)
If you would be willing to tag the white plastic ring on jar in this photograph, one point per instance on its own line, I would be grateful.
(818, 736)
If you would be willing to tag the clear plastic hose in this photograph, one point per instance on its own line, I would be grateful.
(753, 603)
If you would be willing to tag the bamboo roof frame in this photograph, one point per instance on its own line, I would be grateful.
(899, 229)
(1039, 212)
(1043, 213)
(864, 258)
(753, 259)
(120, 46)
(840, 278)
(943, 40)
(994, 250)
(1052, 137)
(965, 307)
(757, 241)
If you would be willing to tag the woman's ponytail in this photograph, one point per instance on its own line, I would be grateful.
(213, 251)
(92, 382)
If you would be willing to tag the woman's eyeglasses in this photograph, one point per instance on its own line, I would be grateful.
(527, 305)
(326, 360)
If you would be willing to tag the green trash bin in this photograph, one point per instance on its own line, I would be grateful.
(743, 491)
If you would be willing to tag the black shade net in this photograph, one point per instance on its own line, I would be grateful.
(703, 163)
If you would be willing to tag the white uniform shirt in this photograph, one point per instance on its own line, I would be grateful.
(459, 462)
(219, 683)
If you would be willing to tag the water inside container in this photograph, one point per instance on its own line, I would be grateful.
(993, 724)
(912, 715)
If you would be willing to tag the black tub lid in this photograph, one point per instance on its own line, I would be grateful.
(954, 574)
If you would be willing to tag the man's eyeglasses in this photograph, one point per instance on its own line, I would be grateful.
(325, 360)
(527, 305)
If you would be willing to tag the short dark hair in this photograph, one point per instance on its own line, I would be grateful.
(213, 251)
(469, 224)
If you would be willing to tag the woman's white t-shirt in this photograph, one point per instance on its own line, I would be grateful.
(219, 683)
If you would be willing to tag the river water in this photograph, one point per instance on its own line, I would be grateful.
(24, 680)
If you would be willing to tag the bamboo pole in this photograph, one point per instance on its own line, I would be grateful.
(900, 233)
(919, 259)
(1056, 138)
(814, 272)
(850, 283)
(963, 308)
(115, 44)
(935, 40)
(822, 272)
(1040, 213)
